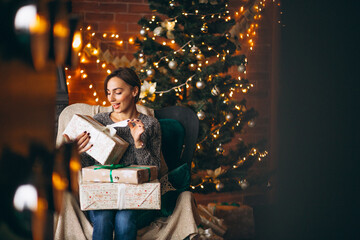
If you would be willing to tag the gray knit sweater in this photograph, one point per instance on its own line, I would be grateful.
(148, 155)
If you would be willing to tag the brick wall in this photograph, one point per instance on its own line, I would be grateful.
(121, 16)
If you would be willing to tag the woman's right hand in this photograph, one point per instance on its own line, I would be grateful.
(82, 141)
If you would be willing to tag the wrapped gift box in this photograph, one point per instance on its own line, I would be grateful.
(108, 148)
(96, 196)
(238, 218)
(110, 173)
(210, 221)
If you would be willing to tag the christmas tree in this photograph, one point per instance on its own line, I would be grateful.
(189, 51)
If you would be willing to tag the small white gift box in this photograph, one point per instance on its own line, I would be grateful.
(108, 148)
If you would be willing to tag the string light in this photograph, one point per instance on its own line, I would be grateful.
(248, 37)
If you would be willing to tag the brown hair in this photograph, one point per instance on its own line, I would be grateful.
(127, 75)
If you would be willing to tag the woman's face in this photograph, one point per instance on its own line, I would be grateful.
(121, 95)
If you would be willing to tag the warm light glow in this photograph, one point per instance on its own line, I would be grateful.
(61, 29)
(39, 26)
(131, 40)
(59, 183)
(77, 41)
(74, 164)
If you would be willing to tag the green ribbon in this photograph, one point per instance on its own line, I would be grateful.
(111, 167)
(117, 166)
(230, 204)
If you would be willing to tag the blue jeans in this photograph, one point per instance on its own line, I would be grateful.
(106, 221)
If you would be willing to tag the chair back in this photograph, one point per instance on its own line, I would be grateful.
(178, 119)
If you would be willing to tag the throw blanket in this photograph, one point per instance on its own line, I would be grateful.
(72, 223)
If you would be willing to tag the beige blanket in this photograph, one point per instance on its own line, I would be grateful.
(72, 224)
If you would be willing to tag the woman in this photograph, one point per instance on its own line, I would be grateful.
(122, 88)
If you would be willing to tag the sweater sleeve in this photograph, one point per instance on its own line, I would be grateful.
(150, 153)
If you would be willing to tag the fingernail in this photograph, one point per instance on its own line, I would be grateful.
(137, 120)
(84, 131)
(88, 133)
(128, 120)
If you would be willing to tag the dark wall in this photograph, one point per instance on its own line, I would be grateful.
(318, 122)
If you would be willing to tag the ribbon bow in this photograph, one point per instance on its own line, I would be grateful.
(123, 123)
(111, 167)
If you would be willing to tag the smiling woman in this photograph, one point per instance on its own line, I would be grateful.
(142, 132)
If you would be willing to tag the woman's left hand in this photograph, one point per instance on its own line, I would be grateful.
(136, 129)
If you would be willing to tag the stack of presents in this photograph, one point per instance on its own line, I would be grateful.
(115, 186)
(111, 185)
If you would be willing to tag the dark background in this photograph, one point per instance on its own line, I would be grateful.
(318, 182)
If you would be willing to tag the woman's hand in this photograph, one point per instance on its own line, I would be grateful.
(136, 128)
(82, 141)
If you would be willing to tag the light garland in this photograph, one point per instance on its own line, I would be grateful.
(214, 179)
(115, 38)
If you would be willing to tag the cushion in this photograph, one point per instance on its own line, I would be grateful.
(172, 141)
(179, 181)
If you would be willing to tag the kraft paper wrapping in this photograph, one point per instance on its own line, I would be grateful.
(136, 174)
(96, 196)
(108, 148)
